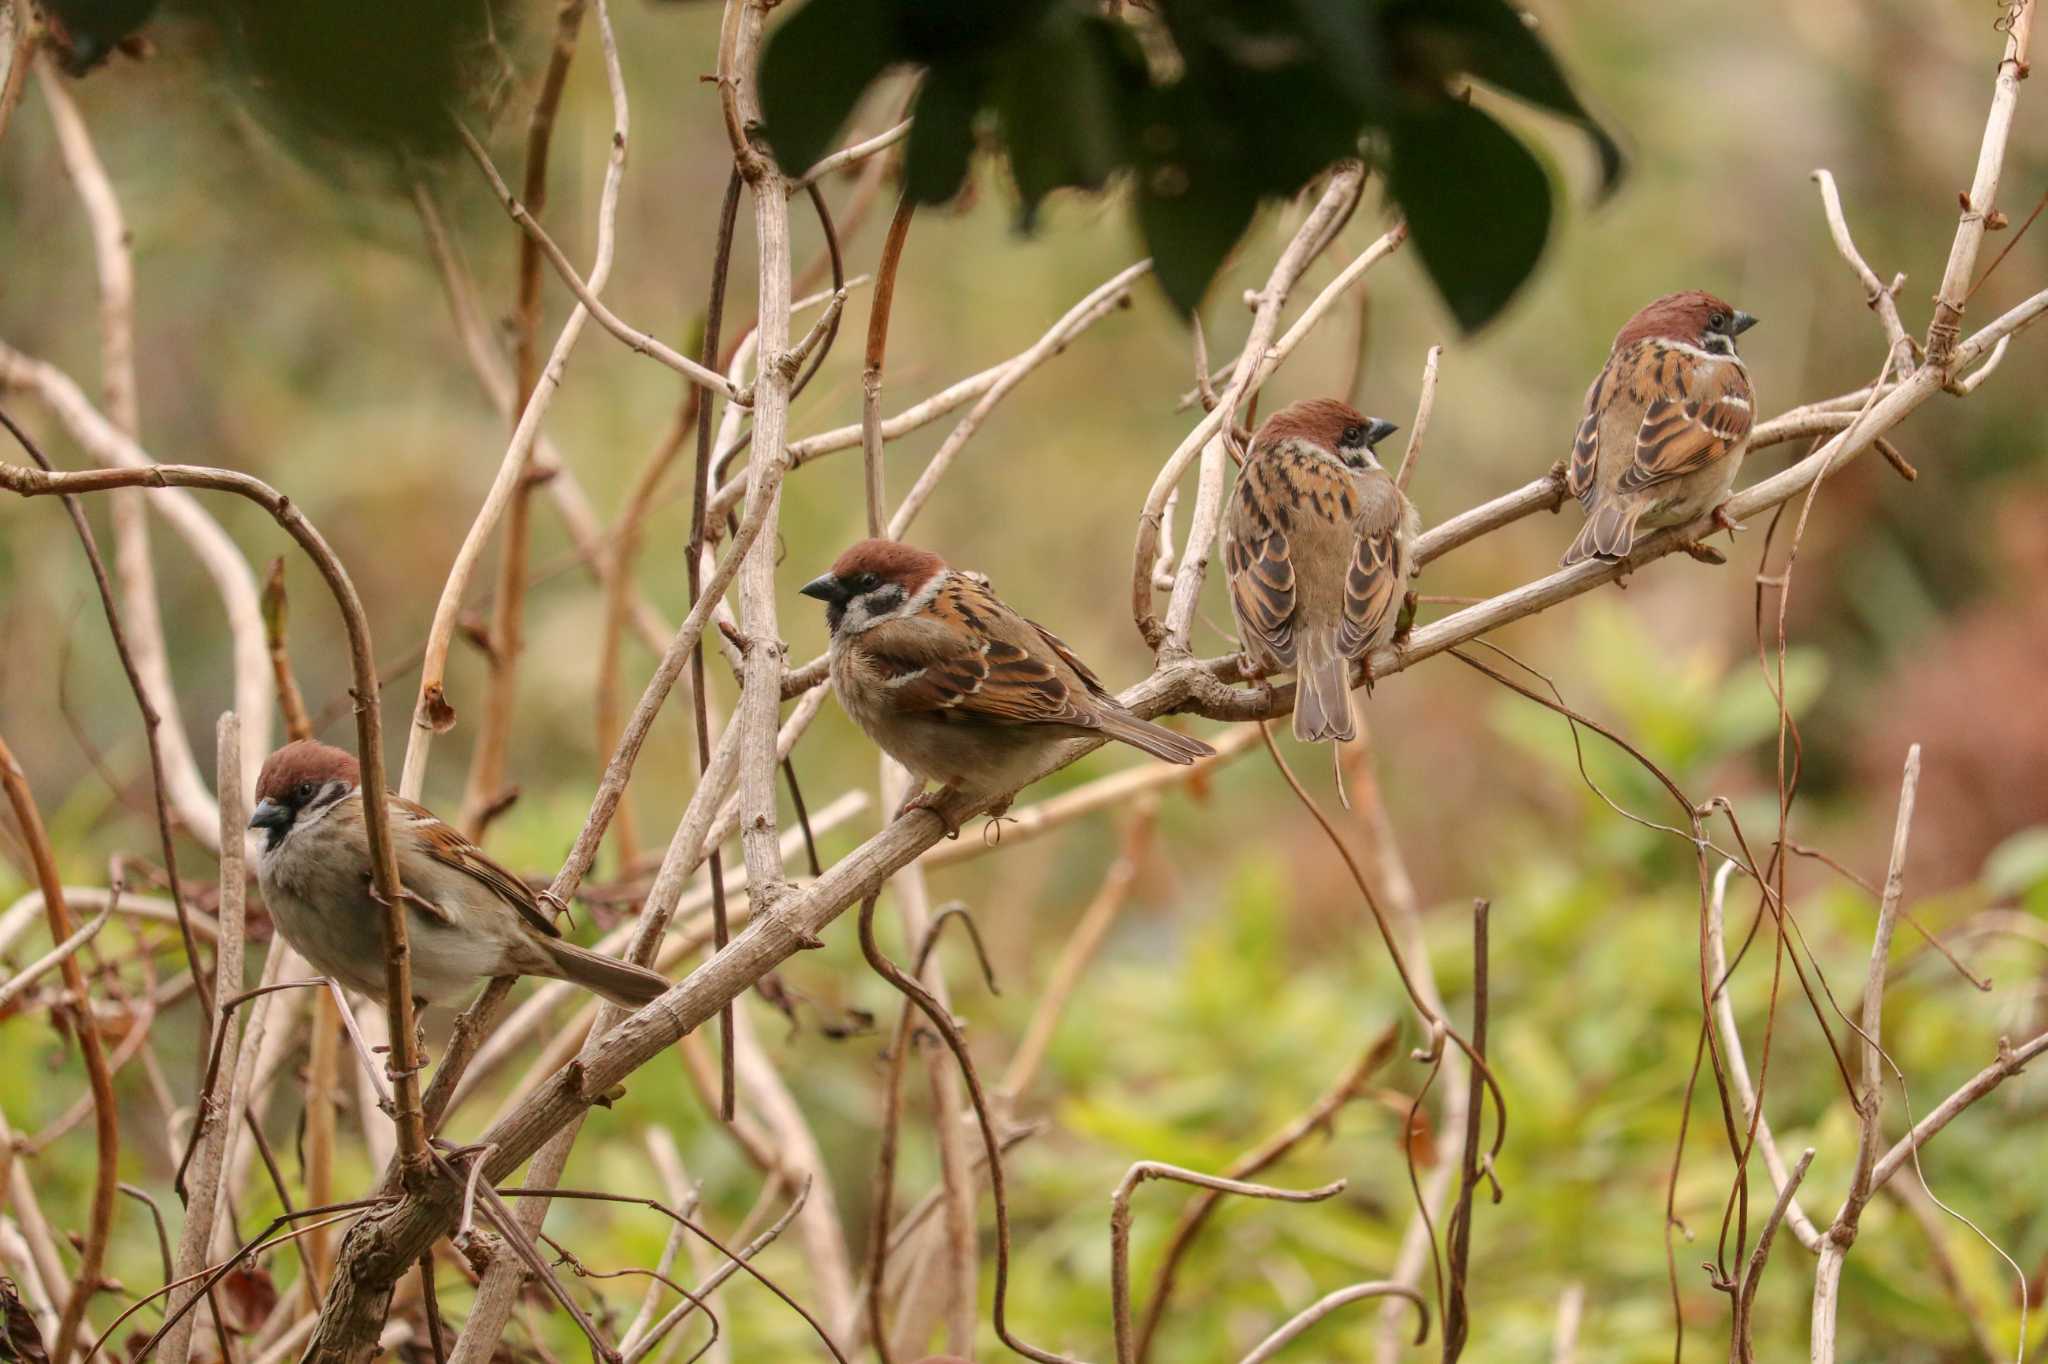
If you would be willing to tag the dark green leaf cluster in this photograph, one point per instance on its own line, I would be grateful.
(1211, 106)
(375, 75)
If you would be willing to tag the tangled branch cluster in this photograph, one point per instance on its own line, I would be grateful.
(739, 407)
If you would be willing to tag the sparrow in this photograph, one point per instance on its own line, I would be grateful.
(1666, 426)
(1318, 544)
(468, 919)
(956, 686)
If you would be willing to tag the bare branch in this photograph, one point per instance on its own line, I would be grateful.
(642, 343)
(1321, 1116)
(878, 346)
(1983, 195)
(14, 989)
(369, 728)
(93, 1251)
(218, 1105)
(1737, 1064)
(851, 154)
(209, 543)
(1120, 1229)
(1882, 299)
(1745, 1297)
(1315, 1312)
(1100, 302)
(1311, 237)
(1425, 404)
(432, 713)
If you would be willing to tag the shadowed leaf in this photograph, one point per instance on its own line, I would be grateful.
(1478, 205)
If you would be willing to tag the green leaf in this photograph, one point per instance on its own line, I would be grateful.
(1195, 196)
(1489, 39)
(1477, 202)
(1347, 46)
(1062, 96)
(940, 32)
(2019, 864)
(814, 69)
(942, 133)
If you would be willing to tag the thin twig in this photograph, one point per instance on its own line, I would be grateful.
(1425, 404)
(432, 713)
(586, 293)
(1315, 1312)
(879, 308)
(1120, 1228)
(93, 1250)
(369, 730)
(1321, 1116)
(1458, 1231)
(218, 1105)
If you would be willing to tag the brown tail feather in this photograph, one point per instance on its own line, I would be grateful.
(621, 982)
(1609, 532)
(1157, 740)
(1322, 695)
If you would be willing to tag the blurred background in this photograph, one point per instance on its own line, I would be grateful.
(292, 324)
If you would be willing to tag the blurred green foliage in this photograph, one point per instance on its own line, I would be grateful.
(297, 330)
(1215, 106)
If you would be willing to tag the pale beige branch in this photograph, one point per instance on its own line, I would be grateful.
(220, 1106)
(1882, 299)
(232, 577)
(432, 713)
(1737, 1063)
(1425, 404)
(1313, 234)
(1943, 330)
(851, 154)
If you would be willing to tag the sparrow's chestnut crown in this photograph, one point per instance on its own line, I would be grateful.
(1694, 317)
(1335, 426)
(878, 575)
(302, 774)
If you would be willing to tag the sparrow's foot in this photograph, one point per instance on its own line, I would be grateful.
(929, 801)
(1404, 622)
(1704, 552)
(1372, 674)
(1723, 521)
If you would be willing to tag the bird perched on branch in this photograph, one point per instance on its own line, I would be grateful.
(955, 685)
(467, 918)
(1318, 545)
(1666, 426)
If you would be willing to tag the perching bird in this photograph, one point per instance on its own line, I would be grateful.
(467, 918)
(954, 684)
(1666, 426)
(1318, 545)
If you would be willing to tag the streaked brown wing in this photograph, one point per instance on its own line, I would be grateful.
(986, 663)
(1699, 409)
(451, 849)
(1585, 460)
(1070, 658)
(1260, 563)
(1372, 589)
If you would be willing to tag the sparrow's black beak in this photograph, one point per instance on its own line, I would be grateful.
(1377, 430)
(825, 588)
(270, 815)
(1742, 323)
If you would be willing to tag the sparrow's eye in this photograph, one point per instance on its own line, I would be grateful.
(1717, 321)
(304, 790)
(866, 582)
(1353, 435)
